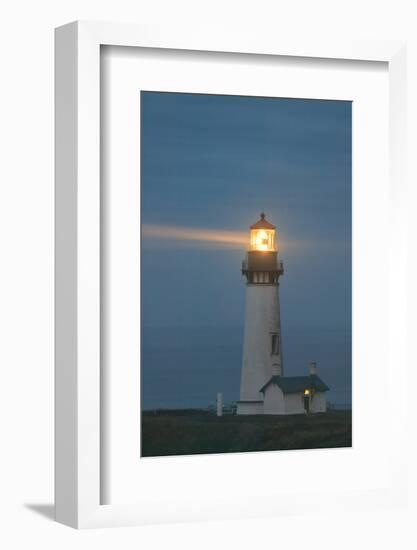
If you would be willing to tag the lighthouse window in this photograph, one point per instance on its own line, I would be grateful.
(274, 344)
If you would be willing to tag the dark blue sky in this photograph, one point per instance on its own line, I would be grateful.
(214, 162)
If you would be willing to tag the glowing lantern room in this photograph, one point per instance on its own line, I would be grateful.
(262, 235)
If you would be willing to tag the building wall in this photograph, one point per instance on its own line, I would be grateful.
(319, 403)
(261, 319)
(250, 408)
(274, 400)
(294, 403)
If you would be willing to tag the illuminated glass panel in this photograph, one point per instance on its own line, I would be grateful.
(262, 239)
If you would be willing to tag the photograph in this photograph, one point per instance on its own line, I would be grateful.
(246, 273)
(208, 264)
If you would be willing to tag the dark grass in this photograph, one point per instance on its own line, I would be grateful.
(195, 432)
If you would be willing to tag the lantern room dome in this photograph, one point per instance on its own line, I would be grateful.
(262, 223)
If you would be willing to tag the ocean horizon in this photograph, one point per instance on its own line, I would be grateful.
(185, 367)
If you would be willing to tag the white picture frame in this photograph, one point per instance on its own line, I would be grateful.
(78, 404)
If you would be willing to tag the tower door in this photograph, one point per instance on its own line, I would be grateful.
(307, 403)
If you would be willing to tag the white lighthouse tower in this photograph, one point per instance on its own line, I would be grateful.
(262, 348)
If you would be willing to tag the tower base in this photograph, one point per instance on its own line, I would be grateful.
(250, 407)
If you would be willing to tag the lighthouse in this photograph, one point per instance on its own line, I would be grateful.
(262, 347)
(263, 387)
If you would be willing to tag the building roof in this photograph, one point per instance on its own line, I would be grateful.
(262, 223)
(296, 384)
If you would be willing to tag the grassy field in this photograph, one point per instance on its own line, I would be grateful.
(195, 432)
